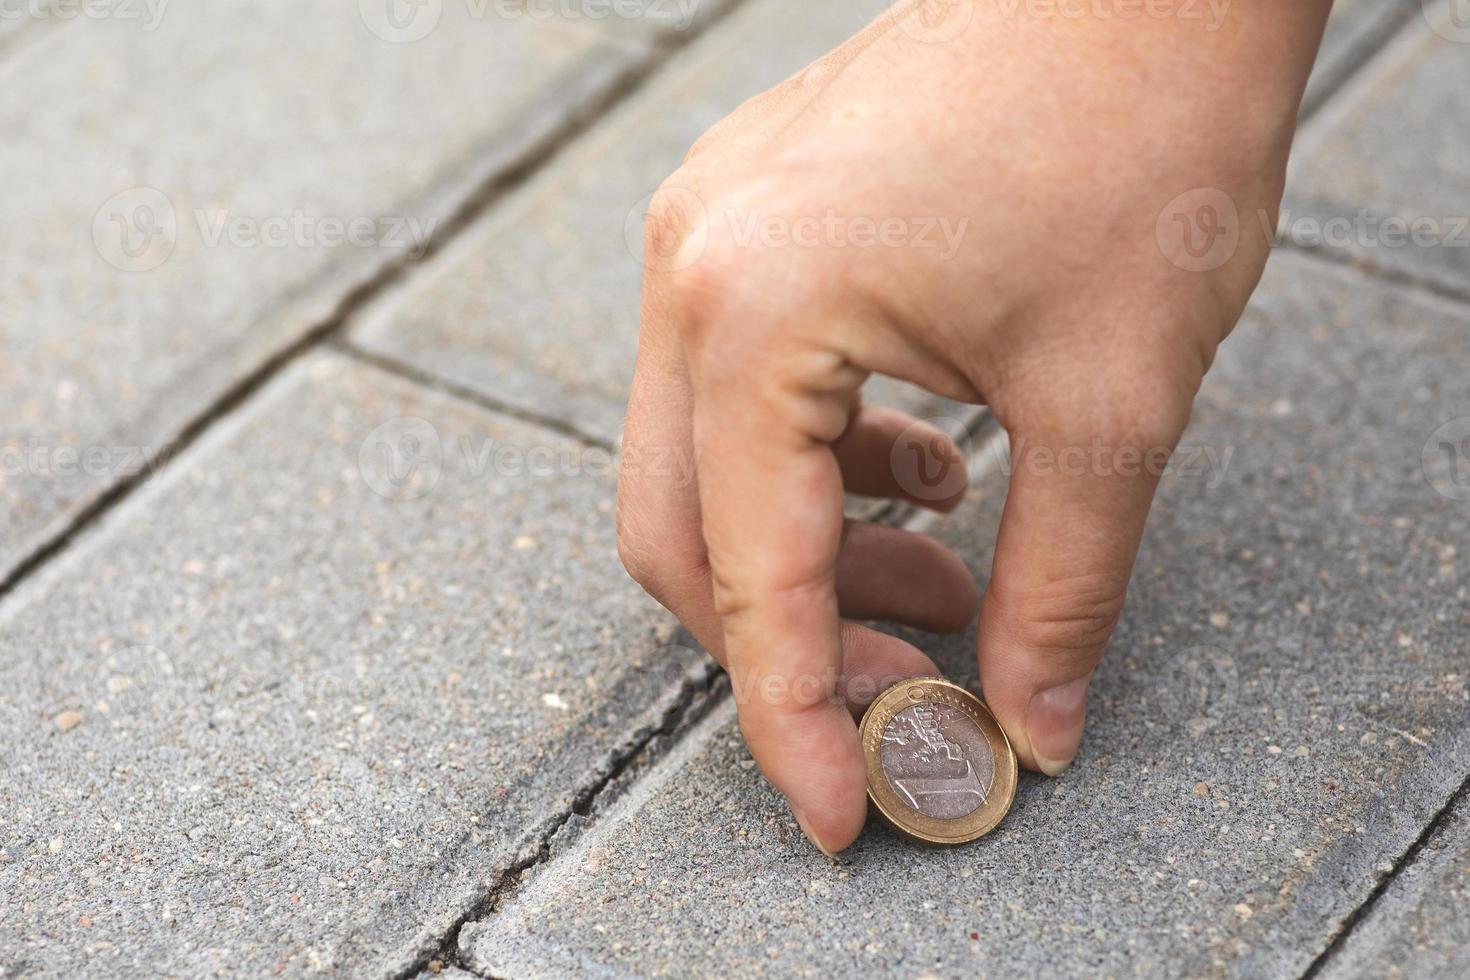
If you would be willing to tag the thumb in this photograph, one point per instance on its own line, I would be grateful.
(1073, 519)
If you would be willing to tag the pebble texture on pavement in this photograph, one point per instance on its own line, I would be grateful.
(355, 682)
(205, 188)
(303, 701)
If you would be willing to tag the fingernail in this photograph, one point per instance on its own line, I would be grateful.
(811, 835)
(1054, 722)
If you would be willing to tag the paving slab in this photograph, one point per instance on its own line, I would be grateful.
(298, 703)
(1420, 926)
(1382, 173)
(1283, 709)
(204, 188)
(538, 306)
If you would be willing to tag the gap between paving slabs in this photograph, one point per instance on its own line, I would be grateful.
(698, 701)
(693, 702)
(1374, 49)
(1371, 46)
(424, 379)
(222, 304)
(1403, 278)
(1334, 179)
(434, 867)
(683, 709)
(1394, 275)
(1333, 958)
(503, 176)
(1365, 27)
(685, 704)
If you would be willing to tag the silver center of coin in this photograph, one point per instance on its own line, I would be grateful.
(937, 759)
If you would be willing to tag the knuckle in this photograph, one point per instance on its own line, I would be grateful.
(705, 288)
(729, 337)
(660, 549)
(773, 734)
(675, 220)
(652, 561)
(637, 558)
(818, 75)
(1163, 423)
(733, 603)
(1075, 617)
(1149, 423)
(1135, 400)
(1153, 413)
(699, 146)
(756, 600)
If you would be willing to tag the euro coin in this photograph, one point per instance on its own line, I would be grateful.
(940, 768)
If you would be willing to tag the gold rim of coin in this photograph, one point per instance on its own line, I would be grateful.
(897, 812)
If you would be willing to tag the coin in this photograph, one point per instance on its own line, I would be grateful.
(940, 769)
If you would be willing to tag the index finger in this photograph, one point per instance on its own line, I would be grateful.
(771, 505)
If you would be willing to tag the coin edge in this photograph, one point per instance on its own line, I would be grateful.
(1007, 769)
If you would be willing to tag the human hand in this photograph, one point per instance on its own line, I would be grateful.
(1056, 146)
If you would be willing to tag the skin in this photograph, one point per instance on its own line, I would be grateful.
(1063, 144)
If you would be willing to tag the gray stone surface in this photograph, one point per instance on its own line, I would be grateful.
(1355, 31)
(538, 306)
(451, 973)
(446, 973)
(1284, 708)
(1420, 927)
(253, 113)
(11, 27)
(1389, 147)
(265, 717)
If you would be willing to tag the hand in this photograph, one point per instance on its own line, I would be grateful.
(1051, 150)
